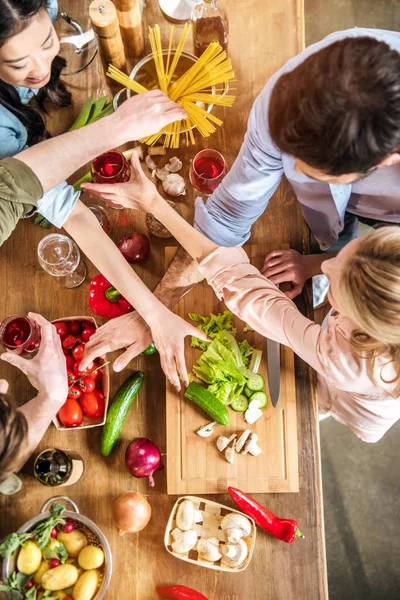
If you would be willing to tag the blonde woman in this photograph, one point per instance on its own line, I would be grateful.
(356, 352)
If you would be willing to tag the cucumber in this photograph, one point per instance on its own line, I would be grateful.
(247, 392)
(208, 402)
(240, 403)
(118, 410)
(261, 397)
(255, 382)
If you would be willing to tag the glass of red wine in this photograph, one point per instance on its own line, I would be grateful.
(20, 335)
(207, 170)
(111, 167)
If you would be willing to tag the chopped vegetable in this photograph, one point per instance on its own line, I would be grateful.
(209, 403)
(240, 403)
(261, 397)
(211, 325)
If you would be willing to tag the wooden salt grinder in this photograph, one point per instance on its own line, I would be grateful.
(103, 15)
(130, 22)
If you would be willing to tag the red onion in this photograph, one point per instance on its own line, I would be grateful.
(142, 458)
(135, 247)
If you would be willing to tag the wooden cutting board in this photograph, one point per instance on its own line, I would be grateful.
(194, 465)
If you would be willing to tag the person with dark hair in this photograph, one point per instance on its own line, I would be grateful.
(329, 120)
(21, 429)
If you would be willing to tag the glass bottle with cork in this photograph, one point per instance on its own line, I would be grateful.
(210, 24)
(58, 468)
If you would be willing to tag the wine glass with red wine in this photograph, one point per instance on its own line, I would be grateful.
(111, 167)
(207, 170)
(20, 335)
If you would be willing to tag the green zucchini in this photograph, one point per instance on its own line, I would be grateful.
(118, 410)
(208, 402)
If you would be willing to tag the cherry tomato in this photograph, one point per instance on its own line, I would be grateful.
(98, 374)
(70, 361)
(93, 404)
(87, 384)
(71, 376)
(70, 414)
(75, 392)
(86, 324)
(74, 327)
(61, 328)
(78, 352)
(87, 333)
(80, 373)
(69, 341)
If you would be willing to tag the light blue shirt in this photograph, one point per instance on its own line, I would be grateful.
(57, 204)
(242, 197)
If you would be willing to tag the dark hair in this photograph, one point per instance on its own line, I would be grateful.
(15, 16)
(13, 430)
(339, 111)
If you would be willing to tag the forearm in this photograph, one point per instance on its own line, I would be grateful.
(313, 262)
(39, 413)
(83, 226)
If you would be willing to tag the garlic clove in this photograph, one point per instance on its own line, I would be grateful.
(162, 174)
(150, 163)
(174, 184)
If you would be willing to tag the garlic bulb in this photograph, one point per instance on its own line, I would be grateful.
(174, 185)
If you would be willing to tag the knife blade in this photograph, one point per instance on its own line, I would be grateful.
(274, 369)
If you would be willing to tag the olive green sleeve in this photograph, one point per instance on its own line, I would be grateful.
(20, 190)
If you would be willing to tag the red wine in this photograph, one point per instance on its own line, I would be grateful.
(207, 173)
(16, 332)
(111, 167)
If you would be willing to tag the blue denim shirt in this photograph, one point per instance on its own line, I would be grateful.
(243, 196)
(57, 204)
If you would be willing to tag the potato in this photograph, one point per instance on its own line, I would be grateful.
(60, 595)
(86, 586)
(60, 578)
(53, 543)
(91, 557)
(40, 572)
(73, 542)
(29, 558)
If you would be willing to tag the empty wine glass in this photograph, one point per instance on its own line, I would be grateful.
(59, 256)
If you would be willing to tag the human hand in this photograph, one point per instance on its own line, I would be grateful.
(139, 194)
(281, 266)
(145, 114)
(47, 371)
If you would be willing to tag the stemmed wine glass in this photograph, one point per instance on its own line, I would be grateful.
(59, 256)
(207, 170)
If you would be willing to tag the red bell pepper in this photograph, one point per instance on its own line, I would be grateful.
(105, 300)
(283, 529)
(179, 592)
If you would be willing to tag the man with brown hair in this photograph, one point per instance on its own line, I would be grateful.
(329, 120)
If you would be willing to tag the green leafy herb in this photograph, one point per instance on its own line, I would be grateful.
(43, 530)
(42, 221)
(11, 542)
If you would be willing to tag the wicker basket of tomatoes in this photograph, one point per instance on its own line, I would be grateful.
(87, 402)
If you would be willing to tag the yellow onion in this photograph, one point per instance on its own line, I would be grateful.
(131, 513)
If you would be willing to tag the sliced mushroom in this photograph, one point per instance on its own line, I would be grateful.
(253, 413)
(209, 549)
(242, 440)
(187, 515)
(230, 454)
(174, 165)
(206, 430)
(223, 442)
(251, 446)
(184, 541)
(235, 554)
(236, 526)
(150, 163)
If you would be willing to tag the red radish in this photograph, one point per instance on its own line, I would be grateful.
(54, 532)
(68, 527)
(142, 458)
(135, 247)
(54, 563)
(30, 584)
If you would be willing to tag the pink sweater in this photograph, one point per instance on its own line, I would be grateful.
(345, 390)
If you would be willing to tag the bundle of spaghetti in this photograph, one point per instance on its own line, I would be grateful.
(192, 90)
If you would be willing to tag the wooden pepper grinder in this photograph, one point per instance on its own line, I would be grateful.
(103, 15)
(130, 22)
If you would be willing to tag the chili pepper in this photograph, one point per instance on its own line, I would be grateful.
(105, 300)
(283, 529)
(179, 592)
(149, 350)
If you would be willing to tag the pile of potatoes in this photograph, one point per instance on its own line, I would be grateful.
(78, 578)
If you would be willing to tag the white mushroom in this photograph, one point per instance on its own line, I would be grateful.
(236, 527)
(230, 454)
(174, 165)
(174, 185)
(150, 163)
(253, 413)
(209, 549)
(206, 430)
(223, 442)
(242, 440)
(187, 516)
(235, 554)
(251, 446)
(184, 541)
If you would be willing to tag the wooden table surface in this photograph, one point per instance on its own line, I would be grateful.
(263, 35)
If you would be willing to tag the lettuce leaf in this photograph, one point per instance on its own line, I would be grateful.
(211, 325)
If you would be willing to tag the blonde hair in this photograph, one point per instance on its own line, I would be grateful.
(370, 296)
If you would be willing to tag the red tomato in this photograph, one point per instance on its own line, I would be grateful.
(85, 324)
(61, 328)
(98, 374)
(74, 327)
(93, 404)
(87, 333)
(75, 392)
(70, 361)
(70, 414)
(87, 384)
(68, 341)
(80, 373)
(78, 352)
(71, 376)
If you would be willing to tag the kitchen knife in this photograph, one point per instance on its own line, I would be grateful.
(274, 369)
